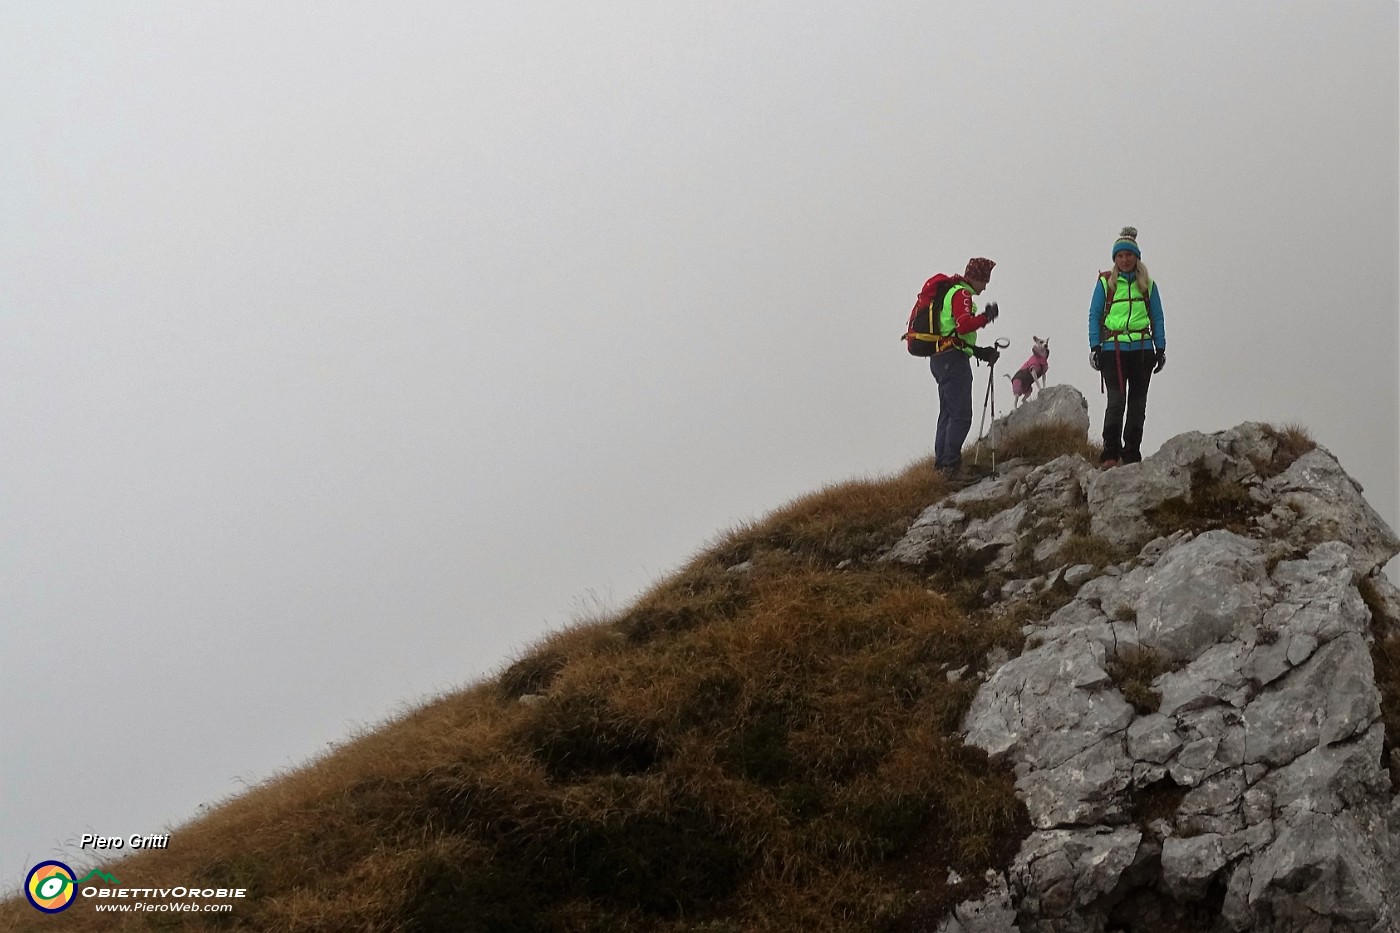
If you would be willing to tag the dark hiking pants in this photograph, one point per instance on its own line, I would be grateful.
(953, 371)
(1126, 374)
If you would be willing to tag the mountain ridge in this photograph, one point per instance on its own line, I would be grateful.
(817, 723)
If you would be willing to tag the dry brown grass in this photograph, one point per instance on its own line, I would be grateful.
(1133, 670)
(845, 521)
(1090, 549)
(1293, 441)
(766, 748)
(1041, 443)
(1212, 502)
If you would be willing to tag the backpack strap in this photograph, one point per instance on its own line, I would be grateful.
(1106, 334)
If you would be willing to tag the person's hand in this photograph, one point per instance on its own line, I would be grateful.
(992, 312)
(1161, 361)
(1094, 357)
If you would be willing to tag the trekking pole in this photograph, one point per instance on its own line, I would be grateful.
(1001, 343)
(977, 453)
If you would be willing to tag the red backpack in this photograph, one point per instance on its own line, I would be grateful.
(921, 335)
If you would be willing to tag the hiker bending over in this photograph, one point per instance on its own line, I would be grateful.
(1127, 344)
(951, 362)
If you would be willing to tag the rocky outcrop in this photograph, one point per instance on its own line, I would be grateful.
(1268, 727)
(1314, 500)
(1196, 732)
(1060, 404)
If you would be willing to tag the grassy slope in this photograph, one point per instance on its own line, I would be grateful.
(766, 748)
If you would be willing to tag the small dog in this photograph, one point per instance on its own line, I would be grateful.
(1032, 372)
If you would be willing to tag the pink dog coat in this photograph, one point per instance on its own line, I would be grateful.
(1031, 370)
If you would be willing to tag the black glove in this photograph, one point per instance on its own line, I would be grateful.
(1094, 357)
(992, 312)
(1161, 361)
(987, 354)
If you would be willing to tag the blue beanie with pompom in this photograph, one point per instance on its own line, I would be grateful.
(1127, 240)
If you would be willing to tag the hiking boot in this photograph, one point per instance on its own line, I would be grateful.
(1107, 464)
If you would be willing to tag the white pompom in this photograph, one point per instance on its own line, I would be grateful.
(1129, 232)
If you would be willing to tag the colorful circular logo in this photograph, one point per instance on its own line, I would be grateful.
(50, 887)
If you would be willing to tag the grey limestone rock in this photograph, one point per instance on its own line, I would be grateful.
(1190, 864)
(1331, 698)
(1048, 705)
(1120, 498)
(1060, 404)
(1009, 482)
(1325, 504)
(1267, 740)
(1201, 593)
(937, 527)
(1060, 872)
(1079, 574)
(1002, 530)
(993, 912)
(1061, 482)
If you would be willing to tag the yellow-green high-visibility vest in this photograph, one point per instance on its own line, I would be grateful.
(1125, 318)
(946, 324)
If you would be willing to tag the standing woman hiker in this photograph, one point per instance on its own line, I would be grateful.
(1128, 343)
(958, 323)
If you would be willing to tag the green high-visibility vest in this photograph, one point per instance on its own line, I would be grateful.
(1125, 318)
(946, 324)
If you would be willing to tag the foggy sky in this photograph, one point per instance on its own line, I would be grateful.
(348, 349)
